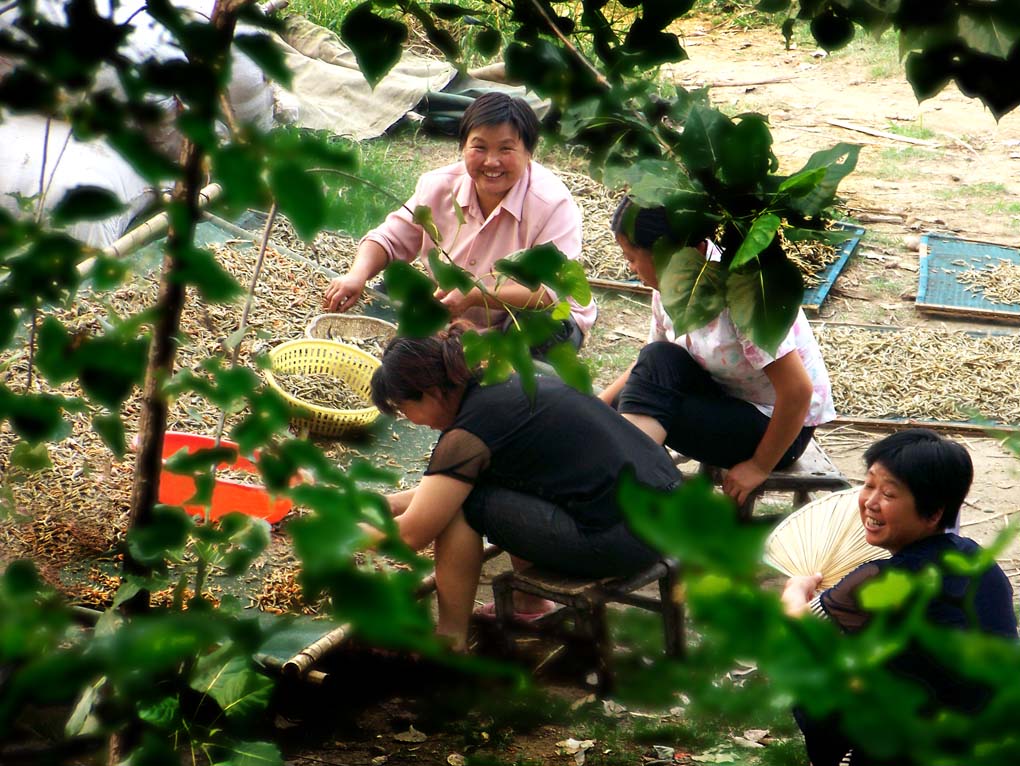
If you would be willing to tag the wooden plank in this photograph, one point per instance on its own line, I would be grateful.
(887, 424)
(883, 134)
(612, 284)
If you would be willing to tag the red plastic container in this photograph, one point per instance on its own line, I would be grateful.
(228, 495)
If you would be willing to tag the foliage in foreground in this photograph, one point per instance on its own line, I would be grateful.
(173, 680)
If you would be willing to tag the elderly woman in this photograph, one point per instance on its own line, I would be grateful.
(537, 475)
(712, 394)
(494, 202)
(915, 485)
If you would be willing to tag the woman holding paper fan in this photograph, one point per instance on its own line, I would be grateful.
(916, 483)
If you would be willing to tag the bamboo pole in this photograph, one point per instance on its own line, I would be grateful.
(299, 665)
(147, 231)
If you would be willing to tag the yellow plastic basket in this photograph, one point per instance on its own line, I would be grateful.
(343, 327)
(352, 365)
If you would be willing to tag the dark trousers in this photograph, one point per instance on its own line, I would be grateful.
(701, 421)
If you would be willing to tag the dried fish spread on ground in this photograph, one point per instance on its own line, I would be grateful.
(997, 283)
(811, 258)
(77, 510)
(922, 374)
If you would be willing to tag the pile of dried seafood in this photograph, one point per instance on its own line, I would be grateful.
(373, 344)
(334, 250)
(600, 255)
(811, 258)
(321, 389)
(997, 283)
(922, 374)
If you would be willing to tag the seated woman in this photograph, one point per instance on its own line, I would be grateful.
(536, 475)
(915, 485)
(712, 395)
(494, 202)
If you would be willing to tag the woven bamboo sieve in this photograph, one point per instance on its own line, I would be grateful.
(343, 326)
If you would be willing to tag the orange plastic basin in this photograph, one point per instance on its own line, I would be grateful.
(228, 496)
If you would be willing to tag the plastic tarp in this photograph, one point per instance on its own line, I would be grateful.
(329, 91)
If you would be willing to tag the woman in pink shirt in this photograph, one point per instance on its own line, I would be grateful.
(494, 202)
(712, 394)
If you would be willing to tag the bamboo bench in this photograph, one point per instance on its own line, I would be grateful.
(580, 623)
(812, 472)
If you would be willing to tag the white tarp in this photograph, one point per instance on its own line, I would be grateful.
(329, 91)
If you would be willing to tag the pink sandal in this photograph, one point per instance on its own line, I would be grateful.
(489, 610)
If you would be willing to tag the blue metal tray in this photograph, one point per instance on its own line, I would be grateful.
(814, 296)
(943, 257)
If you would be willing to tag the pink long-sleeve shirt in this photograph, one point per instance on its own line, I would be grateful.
(537, 210)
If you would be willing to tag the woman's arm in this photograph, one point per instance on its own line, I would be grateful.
(610, 392)
(430, 508)
(793, 399)
(400, 500)
(508, 293)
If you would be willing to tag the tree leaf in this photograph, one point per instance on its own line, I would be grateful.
(86, 203)
(572, 371)
(650, 182)
(987, 33)
(546, 265)
(745, 152)
(267, 54)
(487, 41)
(802, 182)
(229, 679)
(888, 591)
(423, 217)
(253, 754)
(701, 141)
(376, 42)
(838, 162)
(300, 197)
(764, 301)
(30, 457)
(111, 430)
(448, 275)
(419, 314)
(693, 288)
(760, 236)
(199, 267)
(166, 533)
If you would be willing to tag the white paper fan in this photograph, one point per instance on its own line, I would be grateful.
(826, 536)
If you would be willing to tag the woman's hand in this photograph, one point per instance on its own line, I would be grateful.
(457, 302)
(742, 479)
(342, 293)
(798, 593)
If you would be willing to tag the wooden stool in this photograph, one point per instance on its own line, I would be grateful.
(585, 602)
(812, 472)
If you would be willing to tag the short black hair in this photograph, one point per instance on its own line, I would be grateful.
(499, 109)
(937, 471)
(643, 226)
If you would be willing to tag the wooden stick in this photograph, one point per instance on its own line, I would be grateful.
(883, 134)
(746, 83)
(936, 425)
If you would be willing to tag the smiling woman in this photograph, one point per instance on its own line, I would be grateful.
(495, 202)
(915, 486)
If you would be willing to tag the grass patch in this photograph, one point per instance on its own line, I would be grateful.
(911, 130)
(880, 57)
(901, 162)
(973, 191)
